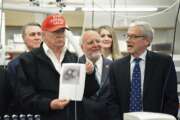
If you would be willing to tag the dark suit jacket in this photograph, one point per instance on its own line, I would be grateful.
(4, 92)
(14, 106)
(38, 85)
(159, 89)
(95, 95)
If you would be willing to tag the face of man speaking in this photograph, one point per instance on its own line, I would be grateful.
(136, 41)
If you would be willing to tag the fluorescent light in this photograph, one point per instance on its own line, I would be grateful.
(69, 9)
(53, 8)
(130, 9)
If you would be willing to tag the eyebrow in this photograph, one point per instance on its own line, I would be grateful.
(33, 33)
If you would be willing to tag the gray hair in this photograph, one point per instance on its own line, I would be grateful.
(89, 31)
(23, 31)
(145, 27)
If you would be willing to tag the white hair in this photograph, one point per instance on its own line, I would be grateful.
(146, 28)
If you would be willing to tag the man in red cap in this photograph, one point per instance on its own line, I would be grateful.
(39, 74)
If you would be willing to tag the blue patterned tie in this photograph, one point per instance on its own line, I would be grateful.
(135, 95)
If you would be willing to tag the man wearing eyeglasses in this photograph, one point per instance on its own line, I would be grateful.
(143, 80)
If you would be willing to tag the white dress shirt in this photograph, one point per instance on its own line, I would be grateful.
(98, 67)
(56, 62)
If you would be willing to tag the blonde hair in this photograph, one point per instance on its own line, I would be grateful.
(115, 45)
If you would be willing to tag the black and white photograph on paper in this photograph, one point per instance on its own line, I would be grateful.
(72, 80)
(71, 75)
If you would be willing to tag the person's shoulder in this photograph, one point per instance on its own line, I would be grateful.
(159, 56)
(13, 62)
(26, 55)
(82, 59)
(26, 58)
(108, 61)
(71, 57)
(2, 69)
(122, 60)
(71, 53)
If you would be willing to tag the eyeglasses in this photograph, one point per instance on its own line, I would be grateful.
(134, 36)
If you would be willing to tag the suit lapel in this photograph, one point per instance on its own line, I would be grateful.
(82, 59)
(40, 54)
(126, 81)
(105, 71)
(148, 73)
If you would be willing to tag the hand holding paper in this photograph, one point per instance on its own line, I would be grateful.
(58, 104)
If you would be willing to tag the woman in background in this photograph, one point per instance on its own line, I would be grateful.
(109, 43)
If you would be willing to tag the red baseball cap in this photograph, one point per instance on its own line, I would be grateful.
(53, 23)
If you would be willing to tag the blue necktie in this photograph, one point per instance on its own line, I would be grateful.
(135, 94)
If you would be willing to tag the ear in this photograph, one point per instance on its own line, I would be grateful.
(147, 42)
(43, 34)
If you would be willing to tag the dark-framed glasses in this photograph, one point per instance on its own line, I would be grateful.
(134, 36)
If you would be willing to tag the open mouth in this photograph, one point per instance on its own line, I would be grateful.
(129, 46)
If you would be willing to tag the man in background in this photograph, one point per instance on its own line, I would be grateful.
(143, 80)
(97, 78)
(4, 93)
(31, 34)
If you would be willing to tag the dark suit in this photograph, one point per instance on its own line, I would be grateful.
(14, 107)
(159, 89)
(38, 85)
(95, 95)
(4, 92)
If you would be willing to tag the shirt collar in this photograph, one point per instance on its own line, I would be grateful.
(48, 50)
(45, 47)
(142, 56)
(99, 62)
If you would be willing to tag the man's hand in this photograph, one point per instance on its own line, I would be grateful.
(57, 104)
(89, 68)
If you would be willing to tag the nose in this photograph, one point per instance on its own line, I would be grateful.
(106, 37)
(38, 36)
(128, 40)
